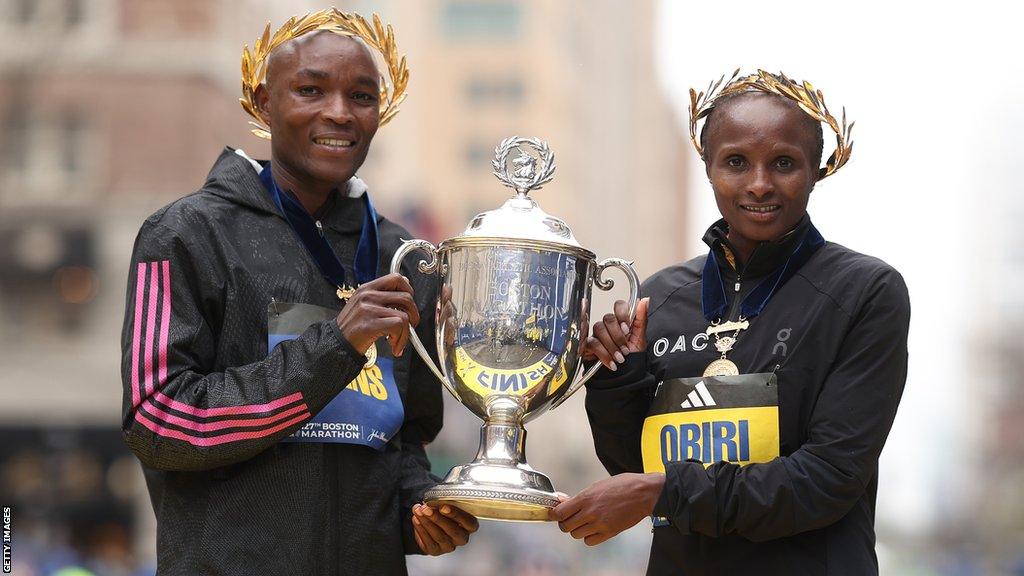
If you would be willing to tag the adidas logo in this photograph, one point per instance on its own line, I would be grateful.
(699, 397)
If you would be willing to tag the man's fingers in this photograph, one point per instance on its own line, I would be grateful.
(416, 529)
(400, 301)
(393, 281)
(391, 323)
(436, 533)
(465, 519)
(455, 532)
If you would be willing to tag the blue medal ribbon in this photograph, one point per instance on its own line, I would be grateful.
(367, 259)
(714, 302)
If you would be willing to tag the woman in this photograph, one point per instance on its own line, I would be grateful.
(745, 406)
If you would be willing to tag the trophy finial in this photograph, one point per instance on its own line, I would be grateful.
(528, 171)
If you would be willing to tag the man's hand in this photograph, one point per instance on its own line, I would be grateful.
(609, 506)
(614, 338)
(440, 531)
(383, 307)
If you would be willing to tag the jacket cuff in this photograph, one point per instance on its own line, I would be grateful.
(344, 346)
(409, 545)
(680, 501)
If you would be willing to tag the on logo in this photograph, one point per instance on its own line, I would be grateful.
(782, 336)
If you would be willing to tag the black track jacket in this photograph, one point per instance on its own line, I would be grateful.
(205, 406)
(835, 334)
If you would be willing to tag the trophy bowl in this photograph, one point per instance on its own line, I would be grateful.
(513, 307)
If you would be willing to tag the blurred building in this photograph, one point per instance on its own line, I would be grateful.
(110, 109)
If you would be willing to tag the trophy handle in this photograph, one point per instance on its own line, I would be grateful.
(634, 294)
(426, 268)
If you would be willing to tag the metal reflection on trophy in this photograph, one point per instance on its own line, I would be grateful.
(514, 297)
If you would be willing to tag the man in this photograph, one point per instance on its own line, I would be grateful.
(271, 443)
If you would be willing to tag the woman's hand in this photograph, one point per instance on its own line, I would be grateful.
(440, 531)
(609, 506)
(614, 338)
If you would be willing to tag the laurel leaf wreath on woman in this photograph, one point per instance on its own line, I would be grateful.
(809, 99)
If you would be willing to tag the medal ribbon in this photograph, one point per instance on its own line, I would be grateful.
(367, 260)
(714, 302)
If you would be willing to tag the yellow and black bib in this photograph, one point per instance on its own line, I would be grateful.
(712, 419)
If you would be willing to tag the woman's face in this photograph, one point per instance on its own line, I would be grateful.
(761, 158)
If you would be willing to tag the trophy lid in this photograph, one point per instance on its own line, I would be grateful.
(520, 218)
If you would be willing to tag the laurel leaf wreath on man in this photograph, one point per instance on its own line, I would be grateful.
(377, 36)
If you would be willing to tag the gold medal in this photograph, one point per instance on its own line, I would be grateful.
(722, 367)
(345, 292)
(371, 356)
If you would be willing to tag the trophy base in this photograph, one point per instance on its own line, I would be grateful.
(496, 491)
(495, 504)
(499, 484)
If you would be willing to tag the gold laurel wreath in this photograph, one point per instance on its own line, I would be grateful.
(378, 36)
(810, 100)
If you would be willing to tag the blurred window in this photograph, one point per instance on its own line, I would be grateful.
(24, 11)
(72, 141)
(74, 13)
(477, 155)
(463, 19)
(16, 138)
(506, 91)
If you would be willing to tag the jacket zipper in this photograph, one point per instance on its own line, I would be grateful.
(735, 298)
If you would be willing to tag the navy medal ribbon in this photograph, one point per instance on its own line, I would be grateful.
(714, 302)
(367, 259)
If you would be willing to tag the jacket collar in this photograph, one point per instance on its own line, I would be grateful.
(766, 257)
(234, 178)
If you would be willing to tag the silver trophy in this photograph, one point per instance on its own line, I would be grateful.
(514, 300)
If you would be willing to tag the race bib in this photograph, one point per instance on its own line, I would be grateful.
(712, 419)
(368, 411)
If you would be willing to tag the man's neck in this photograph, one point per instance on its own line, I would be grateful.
(312, 198)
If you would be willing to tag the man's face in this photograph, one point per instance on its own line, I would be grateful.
(759, 159)
(321, 102)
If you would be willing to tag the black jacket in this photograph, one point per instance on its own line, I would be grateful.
(835, 334)
(205, 406)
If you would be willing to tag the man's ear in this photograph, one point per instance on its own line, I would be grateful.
(263, 103)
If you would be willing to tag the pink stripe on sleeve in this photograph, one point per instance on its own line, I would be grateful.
(215, 440)
(165, 323)
(150, 326)
(140, 288)
(153, 410)
(226, 410)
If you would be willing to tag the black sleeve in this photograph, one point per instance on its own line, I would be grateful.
(819, 483)
(424, 411)
(617, 403)
(178, 413)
